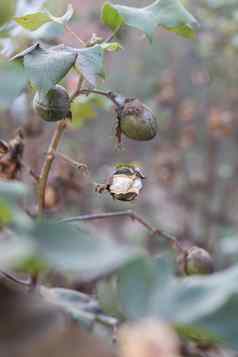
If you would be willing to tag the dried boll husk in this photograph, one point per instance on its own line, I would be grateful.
(11, 157)
(53, 106)
(125, 184)
(137, 121)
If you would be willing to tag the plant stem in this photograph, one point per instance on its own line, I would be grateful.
(29, 171)
(68, 28)
(110, 37)
(77, 165)
(131, 214)
(42, 183)
(13, 278)
(76, 93)
(107, 94)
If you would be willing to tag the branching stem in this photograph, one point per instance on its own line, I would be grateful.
(68, 28)
(13, 278)
(131, 214)
(107, 94)
(113, 34)
(77, 165)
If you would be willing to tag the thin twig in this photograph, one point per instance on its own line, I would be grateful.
(13, 278)
(29, 171)
(74, 163)
(76, 93)
(131, 214)
(107, 94)
(113, 34)
(68, 28)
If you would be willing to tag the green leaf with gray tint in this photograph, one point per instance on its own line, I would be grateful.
(45, 67)
(35, 20)
(13, 250)
(69, 249)
(135, 284)
(90, 63)
(169, 14)
(13, 81)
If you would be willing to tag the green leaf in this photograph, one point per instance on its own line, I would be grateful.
(7, 10)
(111, 17)
(81, 308)
(135, 285)
(14, 246)
(169, 14)
(33, 21)
(12, 191)
(13, 81)
(68, 249)
(90, 63)
(65, 18)
(45, 67)
(107, 295)
(14, 250)
(49, 31)
(83, 108)
(5, 213)
(76, 304)
(202, 308)
(81, 111)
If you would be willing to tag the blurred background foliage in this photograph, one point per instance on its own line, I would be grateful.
(191, 166)
(191, 86)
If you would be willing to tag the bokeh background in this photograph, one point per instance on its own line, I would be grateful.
(191, 166)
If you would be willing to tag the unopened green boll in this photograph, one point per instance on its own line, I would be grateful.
(53, 106)
(137, 122)
(198, 262)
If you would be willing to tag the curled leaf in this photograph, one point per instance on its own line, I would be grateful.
(35, 20)
(170, 14)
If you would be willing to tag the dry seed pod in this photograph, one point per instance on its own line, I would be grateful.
(126, 183)
(198, 262)
(10, 157)
(53, 106)
(137, 121)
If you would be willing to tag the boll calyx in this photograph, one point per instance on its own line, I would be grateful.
(198, 262)
(53, 106)
(137, 121)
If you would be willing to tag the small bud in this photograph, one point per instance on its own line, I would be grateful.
(53, 106)
(94, 40)
(137, 121)
(198, 262)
